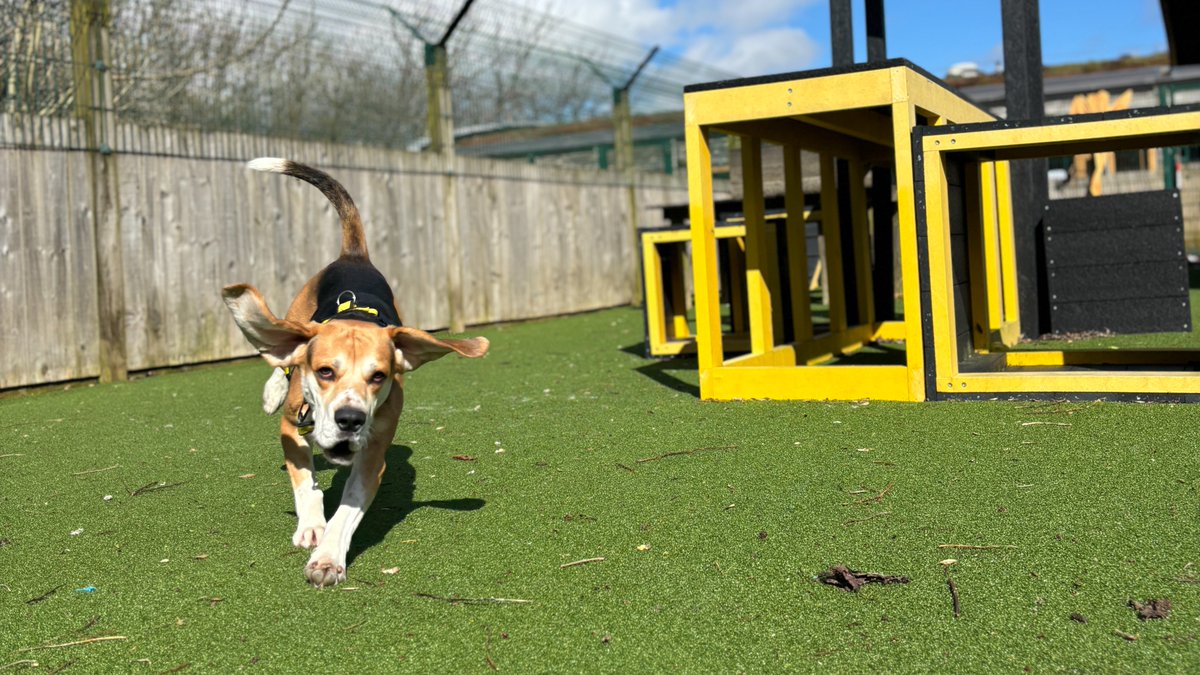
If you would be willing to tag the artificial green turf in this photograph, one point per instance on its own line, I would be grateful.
(1098, 500)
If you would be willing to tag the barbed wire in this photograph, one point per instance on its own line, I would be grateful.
(346, 71)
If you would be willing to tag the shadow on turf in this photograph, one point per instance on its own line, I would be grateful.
(392, 504)
(659, 370)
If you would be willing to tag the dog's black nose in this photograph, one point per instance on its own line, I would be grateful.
(350, 419)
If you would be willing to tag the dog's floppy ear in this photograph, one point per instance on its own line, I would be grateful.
(281, 342)
(416, 347)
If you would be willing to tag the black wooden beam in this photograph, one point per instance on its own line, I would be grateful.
(876, 32)
(841, 32)
(1023, 98)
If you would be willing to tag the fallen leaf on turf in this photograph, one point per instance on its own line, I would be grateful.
(643, 548)
(948, 562)
(391, 570)
(463, 458)
(202, 556)
(850, 580)
(248, 475)
(1078, 618)
(1151, 609)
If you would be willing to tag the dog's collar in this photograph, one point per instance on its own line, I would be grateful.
(304, 419)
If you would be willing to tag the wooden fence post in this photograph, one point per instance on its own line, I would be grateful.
(441, 136)
(623, 149)
(90, 21)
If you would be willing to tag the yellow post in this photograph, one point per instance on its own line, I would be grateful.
(705, 273)
(904, 118)
(759, 249)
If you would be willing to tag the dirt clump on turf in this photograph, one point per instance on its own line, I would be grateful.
(847, 579)
(1151, 609)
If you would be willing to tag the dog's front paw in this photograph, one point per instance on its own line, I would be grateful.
(308, 536)
(322, 572)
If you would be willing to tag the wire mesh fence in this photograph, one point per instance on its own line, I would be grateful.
(525, 84)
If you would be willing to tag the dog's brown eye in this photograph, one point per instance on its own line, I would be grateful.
(378, 378)
(325, 373)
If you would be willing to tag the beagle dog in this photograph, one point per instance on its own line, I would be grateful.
(340, 355)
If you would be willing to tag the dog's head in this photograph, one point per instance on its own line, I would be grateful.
(348, 368)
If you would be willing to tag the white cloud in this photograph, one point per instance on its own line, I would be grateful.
(751, 37)
(773, 50)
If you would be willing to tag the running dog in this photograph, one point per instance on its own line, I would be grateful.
(341, 354)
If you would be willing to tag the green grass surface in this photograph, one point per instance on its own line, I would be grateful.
(1098, 502)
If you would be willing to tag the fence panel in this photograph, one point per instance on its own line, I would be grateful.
(537, 241)
(47, 268)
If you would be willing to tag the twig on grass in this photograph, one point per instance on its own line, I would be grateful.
(1122, 634)
(23, 663)
(873, 516)
(107, 468)
(877, 498)
(487, 649)
(677, 453)
(103, 638)
(91, 622)
(44, 596)
(353, 627)
(474, 601)
(1047, 424)
(153, 486)
(13, 454)
(954, 597)
(973, 547)
(577, 563)
(622, 466)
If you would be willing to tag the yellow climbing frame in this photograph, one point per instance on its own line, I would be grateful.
(980, 150)
(863, 115)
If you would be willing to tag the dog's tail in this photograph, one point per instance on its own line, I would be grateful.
(354, 241)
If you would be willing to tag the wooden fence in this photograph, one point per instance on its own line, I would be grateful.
(535, 242)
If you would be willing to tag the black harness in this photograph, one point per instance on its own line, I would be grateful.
(352, 289)
(349, 290)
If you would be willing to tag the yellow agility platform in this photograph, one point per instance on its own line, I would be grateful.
(862, 115)
(664, 282)
(968, 272)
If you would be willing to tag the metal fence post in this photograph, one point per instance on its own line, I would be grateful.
(90, 21)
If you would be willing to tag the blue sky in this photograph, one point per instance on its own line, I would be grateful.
(755, 37)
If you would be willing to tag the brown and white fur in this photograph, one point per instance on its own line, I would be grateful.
(351, 373)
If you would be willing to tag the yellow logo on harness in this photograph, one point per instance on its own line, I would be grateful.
(351, 305)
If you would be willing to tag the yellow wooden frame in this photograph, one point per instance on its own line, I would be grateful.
(668, 333)
(864, 116)
(985, 150)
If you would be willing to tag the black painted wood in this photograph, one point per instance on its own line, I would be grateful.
(1117, 263)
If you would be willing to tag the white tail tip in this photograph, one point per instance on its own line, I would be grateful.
(273, 164)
